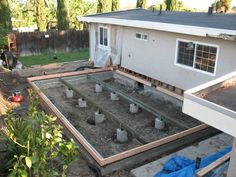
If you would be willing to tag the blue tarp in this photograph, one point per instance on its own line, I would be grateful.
(179, 166)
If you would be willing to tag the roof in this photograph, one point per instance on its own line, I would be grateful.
(214, 103)
(223, 23)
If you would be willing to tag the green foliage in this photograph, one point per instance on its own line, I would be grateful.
(103, 6)
(141, 4)
(62, 15)
(5, 15)
(174, 5)
(221, 6)
(5, 22)
(80, 8)
(40, 14)
(3, 33)
(115, 5)
(35, 142)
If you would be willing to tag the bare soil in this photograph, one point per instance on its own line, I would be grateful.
(101, 136)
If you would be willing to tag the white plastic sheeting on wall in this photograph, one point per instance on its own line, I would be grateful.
(111, 55)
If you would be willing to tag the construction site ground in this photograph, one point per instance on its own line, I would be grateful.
(16, 81)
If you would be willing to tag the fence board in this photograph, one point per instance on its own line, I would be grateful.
(31, 43)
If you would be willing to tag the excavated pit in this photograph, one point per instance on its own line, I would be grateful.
(139, 126)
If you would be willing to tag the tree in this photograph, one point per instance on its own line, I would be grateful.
(5, 21)
(115, 5)
(221, 6)
(62, 15)
(79, 8)
(103, 6)
(40, 14)
(141, 4)
(172, 5)
(5, 15)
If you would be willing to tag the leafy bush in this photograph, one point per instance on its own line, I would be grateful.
(35, 144)
(3, 33)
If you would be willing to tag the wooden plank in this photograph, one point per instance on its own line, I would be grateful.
(52, 76)
(170, 93)
(154, 144)
(134, 78)
(213, 165)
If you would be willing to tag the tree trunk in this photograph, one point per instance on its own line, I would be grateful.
(103, 6)
(141, 4)
(40, 14)
(115, 5)
(62, 15)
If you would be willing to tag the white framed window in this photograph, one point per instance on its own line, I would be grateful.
(196, 55)
(103, 36)
(142, 36)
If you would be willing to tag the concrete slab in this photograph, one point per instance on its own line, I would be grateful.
(201, 149)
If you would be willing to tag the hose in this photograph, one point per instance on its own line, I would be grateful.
(95, 169)
(81, 68)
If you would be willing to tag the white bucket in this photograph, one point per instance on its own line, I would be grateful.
(82, 103)
(121, 135)
(159, 124)
(133, 108)
(114, 96)
(69, 93)
(1, 62)
(98, 88)
(99, 117)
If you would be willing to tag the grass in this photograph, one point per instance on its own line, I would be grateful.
(50, 58)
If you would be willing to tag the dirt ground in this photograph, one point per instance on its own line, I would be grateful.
(101, 136)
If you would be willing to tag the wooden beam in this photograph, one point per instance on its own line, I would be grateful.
(52, 76)
(149, 83)
(134, 78)
(213, 165)
(154, 144)
(173, 94)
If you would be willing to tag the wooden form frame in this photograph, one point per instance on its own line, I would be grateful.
(96, 156)
(213, 165)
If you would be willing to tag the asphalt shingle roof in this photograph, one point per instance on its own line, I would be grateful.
(221, 21)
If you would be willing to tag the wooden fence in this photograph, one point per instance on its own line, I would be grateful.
(30, 43)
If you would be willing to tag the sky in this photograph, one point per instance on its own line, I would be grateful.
(199, 4)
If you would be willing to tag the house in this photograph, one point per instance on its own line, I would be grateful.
(214, 104)
(179, 50)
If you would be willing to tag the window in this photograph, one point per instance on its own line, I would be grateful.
(103, 36)
(197, 56)
(141, 36)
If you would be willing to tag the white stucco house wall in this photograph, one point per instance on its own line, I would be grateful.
(182, 49)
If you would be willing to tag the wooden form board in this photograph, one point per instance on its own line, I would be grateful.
(97, 157)
(213, 165)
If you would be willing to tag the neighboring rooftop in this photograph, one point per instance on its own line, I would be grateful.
(222, 21)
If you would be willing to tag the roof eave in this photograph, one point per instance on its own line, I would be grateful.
(176, 28)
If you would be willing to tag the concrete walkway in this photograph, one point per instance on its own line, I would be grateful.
(201, 149)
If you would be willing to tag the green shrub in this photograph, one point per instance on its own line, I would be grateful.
(35, 144)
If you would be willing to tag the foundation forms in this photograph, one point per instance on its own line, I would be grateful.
(146, 151)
